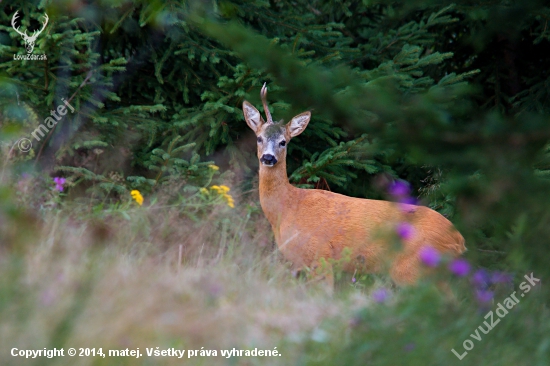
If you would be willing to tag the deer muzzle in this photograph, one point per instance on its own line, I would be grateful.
(268, 160)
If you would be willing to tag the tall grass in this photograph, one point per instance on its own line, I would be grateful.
(85, 274)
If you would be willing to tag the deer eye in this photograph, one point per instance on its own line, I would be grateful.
(282, 143)
(260, 140)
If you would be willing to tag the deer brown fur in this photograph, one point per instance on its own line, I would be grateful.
(312, 226)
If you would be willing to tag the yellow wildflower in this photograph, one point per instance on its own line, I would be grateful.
(230, 201)
(222, 191)
(204, 191)
(213, 167)
(137, 197)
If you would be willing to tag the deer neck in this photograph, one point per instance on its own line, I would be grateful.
(275, 191)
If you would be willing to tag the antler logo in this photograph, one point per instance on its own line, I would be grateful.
(29, 40)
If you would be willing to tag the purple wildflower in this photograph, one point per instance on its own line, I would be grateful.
(459, 267)
(408, 201)
(405, 230)
(484, 296)
(481, 278)
(429, 256)
(409, 347)
(401, 192)
(59, 182)
(353, 280)
(399, 189)
(380, 295)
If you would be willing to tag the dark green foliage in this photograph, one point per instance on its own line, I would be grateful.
(142, 73)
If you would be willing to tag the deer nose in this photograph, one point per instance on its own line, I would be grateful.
(268, 159)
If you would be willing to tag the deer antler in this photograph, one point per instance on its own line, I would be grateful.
(263, 94)
(13, 19)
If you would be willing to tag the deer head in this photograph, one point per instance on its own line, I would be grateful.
(272, 137)
(29, 40)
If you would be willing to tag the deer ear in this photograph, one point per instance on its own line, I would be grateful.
(252, 117)
(298, 124)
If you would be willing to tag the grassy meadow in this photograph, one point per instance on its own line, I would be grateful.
(124, 276)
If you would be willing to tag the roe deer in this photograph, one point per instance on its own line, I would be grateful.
(311, 225)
